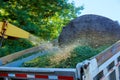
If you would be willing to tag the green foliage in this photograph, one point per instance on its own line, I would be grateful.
(78, 54)
(43, 60)
(43, 18)
(11, 46)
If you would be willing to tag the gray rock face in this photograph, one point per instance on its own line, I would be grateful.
(90, 30)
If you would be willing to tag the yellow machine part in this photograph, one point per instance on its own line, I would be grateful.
(1, 23)
(14, 31)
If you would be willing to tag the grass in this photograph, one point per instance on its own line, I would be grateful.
(65, 59)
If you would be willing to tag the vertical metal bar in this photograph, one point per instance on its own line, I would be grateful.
(112, 75)
(117, 70)
(2, 39)
(6, 78)
(4, 27)
(105, 71)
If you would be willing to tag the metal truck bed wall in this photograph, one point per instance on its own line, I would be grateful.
(104, 66)
(9, 73)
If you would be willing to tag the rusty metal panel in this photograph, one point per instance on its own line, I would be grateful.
(107, 54)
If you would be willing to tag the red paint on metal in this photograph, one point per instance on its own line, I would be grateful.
(21, 75)
(118, 64)
(107, 54)
(41, 76)
(65, 78)
(3, 74)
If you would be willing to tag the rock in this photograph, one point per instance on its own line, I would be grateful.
(91, 30)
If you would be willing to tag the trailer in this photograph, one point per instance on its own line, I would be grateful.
(104, 66)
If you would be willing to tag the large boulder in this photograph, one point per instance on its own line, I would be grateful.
(91, 30)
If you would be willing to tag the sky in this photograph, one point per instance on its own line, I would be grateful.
(106, 8)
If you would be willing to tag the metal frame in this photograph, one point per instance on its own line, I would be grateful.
(38, 73)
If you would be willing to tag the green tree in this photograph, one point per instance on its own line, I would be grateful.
(44, 18)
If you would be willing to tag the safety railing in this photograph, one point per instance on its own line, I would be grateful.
(7, 73)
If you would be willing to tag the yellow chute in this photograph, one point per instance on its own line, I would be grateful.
(9, 30)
